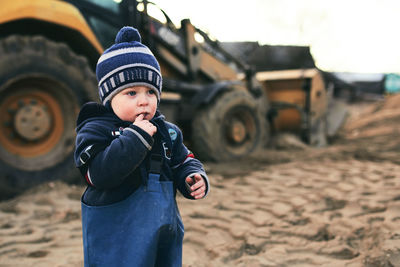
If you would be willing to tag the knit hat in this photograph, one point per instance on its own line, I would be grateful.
(125, 64)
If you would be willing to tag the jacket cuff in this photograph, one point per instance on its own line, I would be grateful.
(146, 139)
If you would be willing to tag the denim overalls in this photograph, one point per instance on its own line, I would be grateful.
(145, 229)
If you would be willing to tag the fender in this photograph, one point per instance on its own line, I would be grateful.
(56, 12)
(199, 93)
(206, 95)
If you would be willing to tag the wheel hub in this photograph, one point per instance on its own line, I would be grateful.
(237, 132)
(32, 122)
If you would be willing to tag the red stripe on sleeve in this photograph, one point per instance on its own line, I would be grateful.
(88, 180)
(190, 155)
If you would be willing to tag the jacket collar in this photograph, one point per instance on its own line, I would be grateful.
(95, 111)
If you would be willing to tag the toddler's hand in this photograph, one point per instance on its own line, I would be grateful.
(197, 186)
(145, 125)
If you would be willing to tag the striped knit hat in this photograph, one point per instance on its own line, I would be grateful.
(125, 64)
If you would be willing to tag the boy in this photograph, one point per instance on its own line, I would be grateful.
(133, 161)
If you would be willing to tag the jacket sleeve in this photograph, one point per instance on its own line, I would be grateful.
(121, 156)
(184, 164)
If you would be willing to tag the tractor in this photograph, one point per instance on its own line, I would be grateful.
(48, 54)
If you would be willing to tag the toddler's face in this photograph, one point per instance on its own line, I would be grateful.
(131, 102)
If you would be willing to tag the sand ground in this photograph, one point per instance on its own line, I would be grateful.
(293, 206)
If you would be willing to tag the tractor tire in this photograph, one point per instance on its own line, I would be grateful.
(231, 127)
(42, 86)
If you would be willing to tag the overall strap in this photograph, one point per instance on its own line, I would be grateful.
(156, 161)
(154, 173)
(156, 156)
(155, 165)
(87, 155)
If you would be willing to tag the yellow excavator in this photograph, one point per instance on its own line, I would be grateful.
(48, 53)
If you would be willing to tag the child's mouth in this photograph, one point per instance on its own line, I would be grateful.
(144, 115)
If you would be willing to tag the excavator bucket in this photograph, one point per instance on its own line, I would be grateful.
(301, 103)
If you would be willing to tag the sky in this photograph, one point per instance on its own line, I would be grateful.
(343, 35)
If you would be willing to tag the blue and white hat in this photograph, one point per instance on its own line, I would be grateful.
(125, 64)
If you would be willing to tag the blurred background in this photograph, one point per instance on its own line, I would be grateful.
(292, 106)
(343, 36)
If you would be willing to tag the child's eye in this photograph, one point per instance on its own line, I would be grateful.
(131, 93)
(151, 92)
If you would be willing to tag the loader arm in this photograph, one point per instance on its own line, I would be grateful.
(53, 12)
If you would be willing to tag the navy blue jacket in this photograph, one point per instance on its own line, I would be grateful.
(122, 166)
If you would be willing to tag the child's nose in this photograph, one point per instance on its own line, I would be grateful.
(142, 99)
